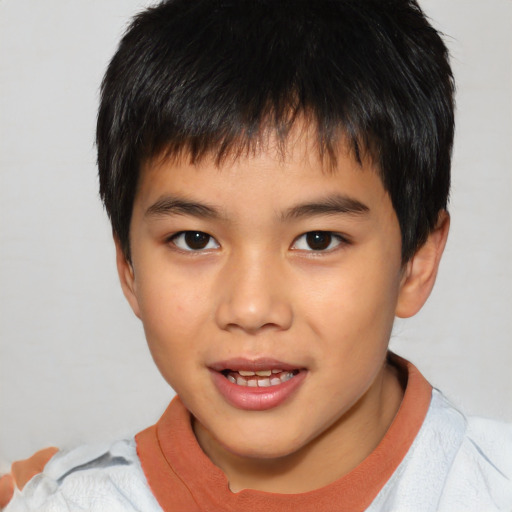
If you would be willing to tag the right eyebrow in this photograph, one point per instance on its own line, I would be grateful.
(178, 206)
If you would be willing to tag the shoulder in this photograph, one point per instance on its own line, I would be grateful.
(480, 472)
(482, 469)
(91, 477)
(492, 440)
(455, 463)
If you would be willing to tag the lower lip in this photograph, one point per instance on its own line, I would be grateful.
(256, 399)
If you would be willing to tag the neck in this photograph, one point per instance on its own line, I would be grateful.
(330, 456)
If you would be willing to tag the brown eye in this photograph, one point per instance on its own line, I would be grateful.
(194, 241)
(318, 240)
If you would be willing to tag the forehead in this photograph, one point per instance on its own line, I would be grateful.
(300, 147)
(272, 177)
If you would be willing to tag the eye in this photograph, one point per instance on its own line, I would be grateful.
(318, 241)
(194, 241)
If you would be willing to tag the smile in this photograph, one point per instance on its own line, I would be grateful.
(259, 378)
(257, 385)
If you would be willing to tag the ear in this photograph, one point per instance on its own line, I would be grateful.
(420, 272)
(126, 277)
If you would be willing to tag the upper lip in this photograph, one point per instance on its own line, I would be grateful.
(253, 365)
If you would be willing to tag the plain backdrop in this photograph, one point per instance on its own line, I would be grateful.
(74, 366)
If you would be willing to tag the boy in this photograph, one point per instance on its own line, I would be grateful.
(277, 174)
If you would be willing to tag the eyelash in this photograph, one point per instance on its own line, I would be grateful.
(336, 238)
(183, 234)
(207, 239)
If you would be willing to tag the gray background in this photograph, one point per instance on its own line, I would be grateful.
(73, 362)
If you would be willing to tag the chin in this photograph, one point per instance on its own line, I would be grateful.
(261, 447)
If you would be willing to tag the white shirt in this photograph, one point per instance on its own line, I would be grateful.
(455, 464)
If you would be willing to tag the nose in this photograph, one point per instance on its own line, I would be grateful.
(253, 295)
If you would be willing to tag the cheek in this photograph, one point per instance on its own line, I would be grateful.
(172, 312)
(167, 294)
(356, 301)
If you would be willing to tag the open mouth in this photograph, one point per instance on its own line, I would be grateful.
(257, 385)
(259, 378)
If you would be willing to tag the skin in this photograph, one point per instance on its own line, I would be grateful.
(257, 289)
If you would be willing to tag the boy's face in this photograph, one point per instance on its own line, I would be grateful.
(268, 264)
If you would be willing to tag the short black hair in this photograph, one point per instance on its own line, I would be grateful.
(213, 76)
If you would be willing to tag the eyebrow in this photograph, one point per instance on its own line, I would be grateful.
(177, 206)
(330, 205)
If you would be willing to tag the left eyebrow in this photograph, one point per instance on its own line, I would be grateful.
(330, 205)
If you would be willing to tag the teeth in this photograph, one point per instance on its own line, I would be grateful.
(259, 373)
(240, 379)
(286, 376)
